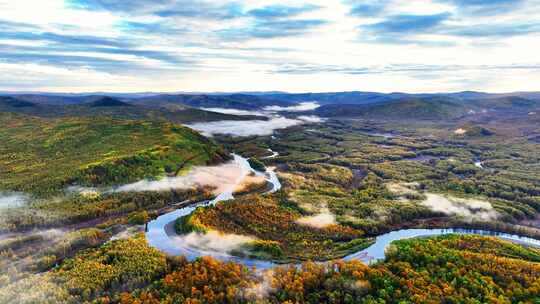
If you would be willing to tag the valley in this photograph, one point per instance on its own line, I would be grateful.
(269, 152)
(269, 199)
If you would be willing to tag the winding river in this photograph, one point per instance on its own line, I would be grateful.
(162, 235)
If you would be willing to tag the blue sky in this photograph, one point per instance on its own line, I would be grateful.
(297, 46)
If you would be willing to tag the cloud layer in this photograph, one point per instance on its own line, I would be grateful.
(313, 45)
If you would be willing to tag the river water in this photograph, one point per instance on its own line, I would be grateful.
(161, 233)
(376, 251)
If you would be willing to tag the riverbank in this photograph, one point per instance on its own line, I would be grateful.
(161, 233)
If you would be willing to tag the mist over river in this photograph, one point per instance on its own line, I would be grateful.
(261, 127)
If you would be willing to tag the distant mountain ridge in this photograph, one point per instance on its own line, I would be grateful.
(8, 101)
(187, 107)
(406, 108)
(276, 96)
(112, 107)
(236, 101)
(432, 108)
(109, 102)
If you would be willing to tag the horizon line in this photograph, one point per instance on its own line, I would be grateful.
(87, 93)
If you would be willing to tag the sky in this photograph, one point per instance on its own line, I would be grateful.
(266, 45)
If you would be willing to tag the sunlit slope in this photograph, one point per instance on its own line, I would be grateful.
(449, 269)
(44, 156)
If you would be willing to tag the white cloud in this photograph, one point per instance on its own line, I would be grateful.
(51, 12)
(219, 64)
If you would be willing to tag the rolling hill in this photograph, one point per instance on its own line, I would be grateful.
(357, 97)
(235, 101)
(44, 156)
(185, 108)
(108, 102)
(415, 109)
(97, 106)
(11, 102)
(507, 103)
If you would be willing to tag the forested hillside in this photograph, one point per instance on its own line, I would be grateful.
(44, 156)
(99, 106)
(449, 269)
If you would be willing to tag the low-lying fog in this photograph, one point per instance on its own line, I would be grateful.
(213, 241)
(256, 127)
(323, 219)
(467, 208)
(472, 209)
(303, 106)
(224, 177)
(250, 127)
(236, 111)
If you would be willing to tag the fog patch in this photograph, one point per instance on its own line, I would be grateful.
(36, 288)
(235, 111)
(324, 219)
(12, 200)
(221, 178)
(479, 164)
(87, 192)
(468, 208)
(213, 241)
(249, 181)
(127, 233)
(310, 118)
(52, 234)
(245, 127)
(460, 131)
(301, 107)
(403, 189)
(256, 127)
(262, 288)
